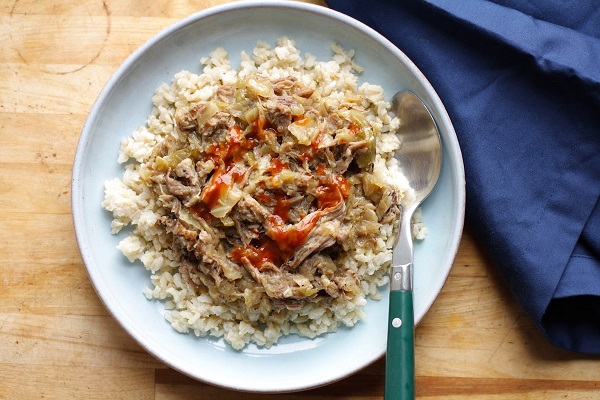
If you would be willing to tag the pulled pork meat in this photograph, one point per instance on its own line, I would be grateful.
(267, 188)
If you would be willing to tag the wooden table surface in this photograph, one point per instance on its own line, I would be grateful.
(57, 341)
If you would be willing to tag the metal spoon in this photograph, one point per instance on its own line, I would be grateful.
(420, 160)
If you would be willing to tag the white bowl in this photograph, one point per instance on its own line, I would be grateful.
(294, 363)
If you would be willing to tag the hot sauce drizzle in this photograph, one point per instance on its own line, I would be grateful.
(259, 254)
(226, 155)
(222, 180)
(332, 192)
(290, 237)
(281, 239)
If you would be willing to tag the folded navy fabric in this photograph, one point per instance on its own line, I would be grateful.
(521, 83)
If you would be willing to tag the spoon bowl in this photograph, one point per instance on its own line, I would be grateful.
(420, 157)
(420, 161)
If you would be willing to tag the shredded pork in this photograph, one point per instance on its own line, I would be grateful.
(267, 188)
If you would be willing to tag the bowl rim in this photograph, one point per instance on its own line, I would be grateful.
(78, 217)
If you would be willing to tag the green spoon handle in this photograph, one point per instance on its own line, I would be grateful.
(400, 356)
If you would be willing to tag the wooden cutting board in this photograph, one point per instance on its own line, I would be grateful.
(57, 340)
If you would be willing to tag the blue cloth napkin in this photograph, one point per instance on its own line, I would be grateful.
(521, 82)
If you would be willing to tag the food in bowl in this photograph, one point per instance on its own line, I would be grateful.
(264, 199)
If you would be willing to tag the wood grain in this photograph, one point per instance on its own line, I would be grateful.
(57, 341)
